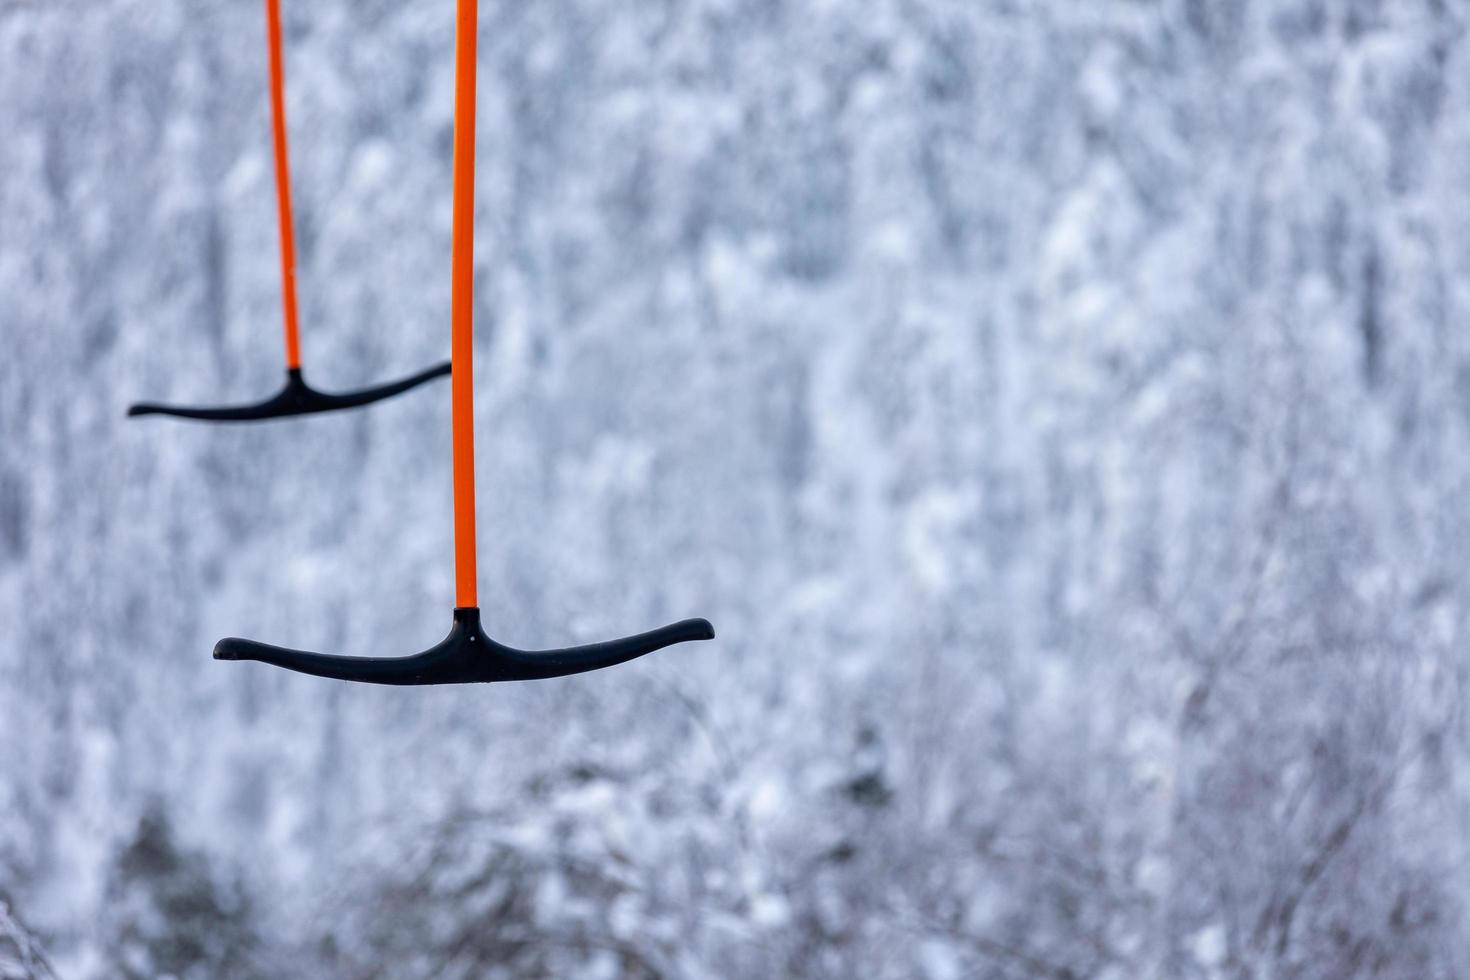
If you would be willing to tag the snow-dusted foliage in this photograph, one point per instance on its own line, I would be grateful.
(21, 957)
(1061, 409)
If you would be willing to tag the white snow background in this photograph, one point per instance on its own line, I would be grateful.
(1060, 408)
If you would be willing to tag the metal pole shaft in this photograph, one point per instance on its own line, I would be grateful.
(462, 303)
(283, 180)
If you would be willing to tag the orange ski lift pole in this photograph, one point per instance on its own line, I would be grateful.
(467, 654)
(297, 397)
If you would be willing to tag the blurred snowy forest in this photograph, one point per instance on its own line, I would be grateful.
(1061, 409)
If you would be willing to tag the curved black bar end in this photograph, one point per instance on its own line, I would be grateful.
(468, 656)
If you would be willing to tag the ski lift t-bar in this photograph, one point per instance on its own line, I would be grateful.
(467, 654)
(297, 397)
